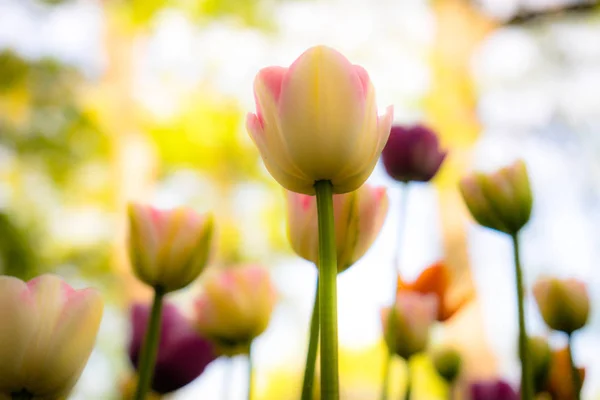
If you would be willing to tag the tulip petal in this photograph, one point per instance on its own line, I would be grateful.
(273, 153)
(68, 322)
(16, 330)
(322, 111)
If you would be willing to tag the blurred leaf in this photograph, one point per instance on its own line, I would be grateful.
(17, 255)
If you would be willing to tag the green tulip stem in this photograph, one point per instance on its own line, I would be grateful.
(311, 354)
(391, 331)
(22, 395)
(250, 372)
(574, 372)
(150, 347)
(408, 391)
(327, 292)
(526, 381)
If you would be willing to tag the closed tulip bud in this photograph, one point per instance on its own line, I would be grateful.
(412, 154)
(560, 383)
(414, 315)
(492, 390)
(47, 334)
(500, 201)
(235, 307)
(447, 362)
(168, 248)
(317, 120)
(182, 353)
(358, 217)
(563, 303)
(541, 357)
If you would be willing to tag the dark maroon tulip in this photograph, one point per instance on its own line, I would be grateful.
(412, 154)
(182, 353)
(493, 390)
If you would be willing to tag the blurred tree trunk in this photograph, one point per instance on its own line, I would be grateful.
(133, 160)
(450, 108)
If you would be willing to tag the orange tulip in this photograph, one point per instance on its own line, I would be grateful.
(560, 382)
(437, 280)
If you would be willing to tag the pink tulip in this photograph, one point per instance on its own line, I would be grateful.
(317, 120)
(47, 333)
(168, 248)
(235, 307)
(358, 217)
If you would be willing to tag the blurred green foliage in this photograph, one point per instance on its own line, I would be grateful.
(49, 138)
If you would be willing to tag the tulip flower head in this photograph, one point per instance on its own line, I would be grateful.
(414, 316)
(564, 304)
(235, 307)
(436, 279)
(541, 357)
(47, 334)
(182, 353)
(358, 217)
(168, 248)
(447, 362)
(500, 201)
(317, 120)
(412, 154)
(492, 390)
(560, 378)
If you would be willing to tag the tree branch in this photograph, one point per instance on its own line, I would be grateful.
(570, 9)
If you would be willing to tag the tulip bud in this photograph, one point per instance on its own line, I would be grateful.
(47, 334)
(317, 120)
(168, 248)
(414, 314)
(436, 279)
(560, 380)
(358, 217)
(412, 154)
(541, 357)
(564, 304)
(182, 353)
(235, 307)
(500, 201)
(492, 390)
(447, 362)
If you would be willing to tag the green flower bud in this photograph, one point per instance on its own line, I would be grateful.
(447, 362)
(501, 200)
(541, 358)
(563, 303)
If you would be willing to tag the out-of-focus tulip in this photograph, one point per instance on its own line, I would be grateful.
(412, 154)
(47, 334)
(414, 315)
(541, 357)
(492, 390)
(560, 380)
(501, 200)
(168, 248)
(447, 362)
(235, 307)
(182, 353)
(317, 120)
(563, 303)
(436, 279)
(358, 217)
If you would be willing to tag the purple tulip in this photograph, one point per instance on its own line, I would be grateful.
(493, 390)
(412, 154)
(182, 353)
